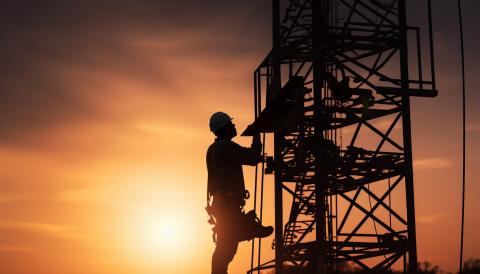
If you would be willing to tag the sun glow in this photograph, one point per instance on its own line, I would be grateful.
(159, 233)
(163, 233)
(155, 224)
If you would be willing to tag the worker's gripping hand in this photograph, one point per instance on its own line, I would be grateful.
(256, 139)
(257, 144)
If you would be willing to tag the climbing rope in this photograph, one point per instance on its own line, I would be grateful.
(463, 132)
(257, 94)
(261, 203)
(255, 210)
(262, 179)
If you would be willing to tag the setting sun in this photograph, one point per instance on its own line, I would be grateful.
(161, 233)
(152, 223)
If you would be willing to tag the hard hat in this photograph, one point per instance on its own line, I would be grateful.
(219, 120)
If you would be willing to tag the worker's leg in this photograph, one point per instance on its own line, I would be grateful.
(227, 216)
(224, 252)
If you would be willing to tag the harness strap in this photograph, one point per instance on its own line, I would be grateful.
(211, 219)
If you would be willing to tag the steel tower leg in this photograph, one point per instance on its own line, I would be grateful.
(407, 139)
(275, 88)
(320, 19)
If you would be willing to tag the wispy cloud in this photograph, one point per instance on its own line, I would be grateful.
(473, 127)
(430, 218)
(13, 197)
(14, 248)
(7, 198)
(59, 231)
(385, 124)
(432, 163)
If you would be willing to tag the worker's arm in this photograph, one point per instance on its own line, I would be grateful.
(249, 155)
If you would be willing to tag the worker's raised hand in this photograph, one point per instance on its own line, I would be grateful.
(257, 146)
(256, 138)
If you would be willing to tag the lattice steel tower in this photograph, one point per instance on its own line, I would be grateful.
(334, 91)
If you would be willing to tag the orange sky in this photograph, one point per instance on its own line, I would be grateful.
(104, 113)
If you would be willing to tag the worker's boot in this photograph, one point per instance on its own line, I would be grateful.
(255, 228)
(263, 231)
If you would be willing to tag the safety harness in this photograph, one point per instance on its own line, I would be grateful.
(211, 218)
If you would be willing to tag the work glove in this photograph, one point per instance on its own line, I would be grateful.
(256, 139)
(257, 144)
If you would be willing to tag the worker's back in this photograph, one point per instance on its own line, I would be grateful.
(224, 164)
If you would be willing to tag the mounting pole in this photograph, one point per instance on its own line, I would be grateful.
(274, 89)
(319, 12)
(407, 139)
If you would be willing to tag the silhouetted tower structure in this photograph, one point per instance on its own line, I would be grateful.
(334, 92)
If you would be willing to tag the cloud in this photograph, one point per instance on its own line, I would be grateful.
(85, 61)
(133, 188)
(14, 248)
(383, 125)
(11, 197)
(429, 219)
(473, 127)
(59, 231)
(431, 163)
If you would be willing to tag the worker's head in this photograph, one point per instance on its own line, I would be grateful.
(221, 125)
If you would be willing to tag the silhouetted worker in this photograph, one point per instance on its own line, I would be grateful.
(226, 185)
